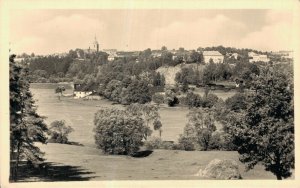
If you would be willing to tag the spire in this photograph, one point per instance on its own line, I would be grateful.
(96, 44)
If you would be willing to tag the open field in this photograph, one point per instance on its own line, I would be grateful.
(92, 164)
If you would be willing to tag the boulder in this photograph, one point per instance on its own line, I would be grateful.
(220, 169)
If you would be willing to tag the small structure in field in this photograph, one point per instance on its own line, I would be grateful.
(80, 91)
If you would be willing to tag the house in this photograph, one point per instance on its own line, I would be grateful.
(257, 57)
(79, 91)
(112, 54)
(156, 53)
(215, 56)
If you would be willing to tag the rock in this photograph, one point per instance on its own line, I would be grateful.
(221, 169)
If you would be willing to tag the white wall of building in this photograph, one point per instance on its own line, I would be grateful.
(216, 59)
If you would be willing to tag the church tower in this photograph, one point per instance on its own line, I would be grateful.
(96, 45)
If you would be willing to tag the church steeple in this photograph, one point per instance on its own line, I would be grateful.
(96, 44)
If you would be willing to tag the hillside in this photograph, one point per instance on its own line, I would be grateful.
(170, 72)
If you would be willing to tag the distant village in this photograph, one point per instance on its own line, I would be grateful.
(215, 56)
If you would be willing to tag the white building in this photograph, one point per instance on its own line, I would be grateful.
(257, 57)
(215, 56)
(79, 92)
(112, 54)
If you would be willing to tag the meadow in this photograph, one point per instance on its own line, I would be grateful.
(94, 165)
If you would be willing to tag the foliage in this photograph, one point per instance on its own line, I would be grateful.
(193, 100)
(186, 143)
(237, 102)
(149, 113)
(199, 128)
(59, 132)
(138, 91)
(158, 98)
(59, 90)
(119, 131)
(171, 98)
(265, 131)
(26, 126)
(210, 100)
(153, 143)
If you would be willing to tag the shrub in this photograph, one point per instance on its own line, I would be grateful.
(119, 131)
(210, 100)
(158, 143)
(186, 143)
(215, 142)
(237, 102)
(171, 98)
(59, 132)
(153, 143)
(158, 98)
(193, 100)
(167, 145)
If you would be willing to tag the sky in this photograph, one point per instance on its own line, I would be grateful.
(54, 31)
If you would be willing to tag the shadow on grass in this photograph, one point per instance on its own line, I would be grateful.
(144, 153)
(52, 172)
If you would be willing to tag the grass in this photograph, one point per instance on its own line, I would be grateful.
(159, 165)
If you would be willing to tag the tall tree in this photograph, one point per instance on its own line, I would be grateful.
(200, 127)
(26, 126)
(266, 131)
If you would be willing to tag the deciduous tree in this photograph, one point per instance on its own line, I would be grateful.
(265, 133)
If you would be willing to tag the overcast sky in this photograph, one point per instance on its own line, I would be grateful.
(50, 31)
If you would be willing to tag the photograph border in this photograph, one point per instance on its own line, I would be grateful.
(8, 5)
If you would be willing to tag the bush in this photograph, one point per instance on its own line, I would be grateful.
(193, 100)
(210, 100)
(158, 143)
(59, 132)
(158, 98)
(237, 102)
(186, 143)
(119, 131)
(153, 143)
(171, 98)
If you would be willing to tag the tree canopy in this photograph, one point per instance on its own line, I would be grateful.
(264, 132)
(26, 126)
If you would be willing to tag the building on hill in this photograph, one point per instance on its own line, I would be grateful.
(112, 54)
(156, 53)
(215, 56)
(257, 57)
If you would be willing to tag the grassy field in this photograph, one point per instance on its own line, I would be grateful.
(159, 165)
(86, 162)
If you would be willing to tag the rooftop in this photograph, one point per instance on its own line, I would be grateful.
(211, 53)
